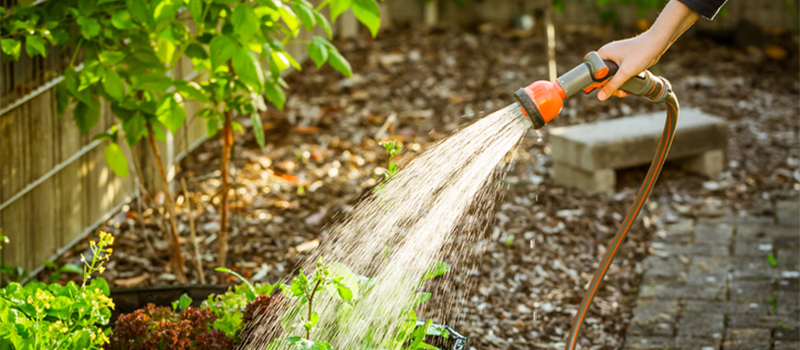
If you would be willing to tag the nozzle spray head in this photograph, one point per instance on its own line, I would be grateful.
(540, 102)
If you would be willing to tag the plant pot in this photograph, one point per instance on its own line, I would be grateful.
(456, 341)
(128, 300)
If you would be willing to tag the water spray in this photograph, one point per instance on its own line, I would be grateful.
(542, 101)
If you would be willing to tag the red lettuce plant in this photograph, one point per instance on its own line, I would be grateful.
(161, 328)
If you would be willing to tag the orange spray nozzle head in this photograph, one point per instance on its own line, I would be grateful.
(541, 101)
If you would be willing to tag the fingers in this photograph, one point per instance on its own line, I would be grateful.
(621, 93)
(613, 85)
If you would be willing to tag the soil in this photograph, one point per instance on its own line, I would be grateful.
(322, 154)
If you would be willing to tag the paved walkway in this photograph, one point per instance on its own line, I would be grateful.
(727, 283)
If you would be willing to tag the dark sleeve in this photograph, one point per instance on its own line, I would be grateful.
(706, 8)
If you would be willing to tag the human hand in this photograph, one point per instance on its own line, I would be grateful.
(633, 56)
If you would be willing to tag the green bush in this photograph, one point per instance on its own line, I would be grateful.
(41, 316)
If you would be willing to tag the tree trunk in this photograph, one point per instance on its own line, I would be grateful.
(222, 240)
(177, 257)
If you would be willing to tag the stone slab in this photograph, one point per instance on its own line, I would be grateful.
(683, 292)
(747, 339)
(602, 180)
(788, 213)
(654, 317)
(631, 141)
(701, 325)
(711, 232)
(688, 343)
(786, 345)
(649, 343)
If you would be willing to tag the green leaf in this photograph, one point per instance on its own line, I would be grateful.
(369, 13)
(101, 284)
(170, 113)
(89, 27)
(437, 269)
(338, 62)
(86, 116)
(34, 45)
(235, 126)
(317, 52)
(164, 50)
(347, 287)
(275, 95)
(247, 283)
(138, 9)
(158, 131)
(338, 7)
(248, 69)
(11, 47)
(155, 83)
(772, 260)
(195, 9)
(323, 22)
(184, 301)
(62, 99)
(212, 127)
(111, 57)
(60, 302)
(135, 128)
(345, 293)
(164, 11)
(258, 129)
(245, 22)
(306, 15)
(122, 20)
(191, 90)
(421, 298)
(113, 85)
(559, 5)
(116, 159)
(221, 49)
(196, 51)
(70, 267)
(290, 18)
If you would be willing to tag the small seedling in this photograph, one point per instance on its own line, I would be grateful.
(772, 260)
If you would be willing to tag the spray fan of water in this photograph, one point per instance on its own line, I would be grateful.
(432, 210)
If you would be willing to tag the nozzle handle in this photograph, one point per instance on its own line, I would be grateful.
(613, 67)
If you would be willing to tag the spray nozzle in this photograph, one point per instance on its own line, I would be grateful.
(542, 100)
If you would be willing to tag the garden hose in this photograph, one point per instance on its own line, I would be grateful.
(542, 101)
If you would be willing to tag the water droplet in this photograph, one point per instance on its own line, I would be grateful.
(539, 132)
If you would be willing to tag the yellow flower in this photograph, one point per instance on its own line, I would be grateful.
(102, 269)
(110, 250)
(92, 243)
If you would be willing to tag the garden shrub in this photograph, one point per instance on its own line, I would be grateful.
(42, 316)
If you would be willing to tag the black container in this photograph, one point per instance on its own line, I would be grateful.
(127, 300)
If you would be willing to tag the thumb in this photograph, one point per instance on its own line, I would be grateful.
(611, 87)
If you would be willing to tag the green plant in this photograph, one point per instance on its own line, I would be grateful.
(392, 148)
(231, 306)
(304, 289)
(42, 316)
(772, 260)
(348, 289)
(240, 46)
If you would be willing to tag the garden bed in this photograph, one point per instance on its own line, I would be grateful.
(322, 155)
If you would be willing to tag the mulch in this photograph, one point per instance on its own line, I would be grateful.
(322, 154)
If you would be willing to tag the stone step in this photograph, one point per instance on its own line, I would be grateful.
(586, 155)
